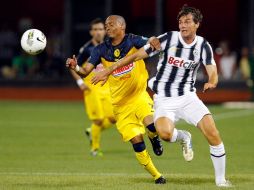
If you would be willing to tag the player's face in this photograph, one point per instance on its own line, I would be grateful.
(113, 28)
(187, 26)
(98, 32)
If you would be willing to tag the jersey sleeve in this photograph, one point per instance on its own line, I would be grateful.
(139, 41)
(83, 55)
(95, 57)
(207, 54)
(163, 40)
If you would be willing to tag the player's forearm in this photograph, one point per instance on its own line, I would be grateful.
(74, 75)
(81, 71)
(140, 54)
(213, 77)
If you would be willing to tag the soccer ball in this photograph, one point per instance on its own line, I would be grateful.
(33, 41)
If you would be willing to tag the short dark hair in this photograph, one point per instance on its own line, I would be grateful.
(185, 10)
(95, 21)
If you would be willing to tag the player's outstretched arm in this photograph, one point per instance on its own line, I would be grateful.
(103, 75)
(81, 71)
(212, 77)
(80, 82)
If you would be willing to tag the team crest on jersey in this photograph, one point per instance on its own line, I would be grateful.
(117, 53)
(123, 70)
(195, 53)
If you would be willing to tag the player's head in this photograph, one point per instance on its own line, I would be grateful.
(115, 26)
(189, 19)
(97, 29)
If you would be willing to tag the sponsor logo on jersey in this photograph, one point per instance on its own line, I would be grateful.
(123, 70)
(181, 63)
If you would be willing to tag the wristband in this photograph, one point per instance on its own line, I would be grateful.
(77, 68)
(79, 82)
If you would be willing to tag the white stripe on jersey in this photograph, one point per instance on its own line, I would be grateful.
(178, 64)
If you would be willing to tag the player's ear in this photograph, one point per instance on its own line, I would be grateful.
(197, 25)
(90, 32)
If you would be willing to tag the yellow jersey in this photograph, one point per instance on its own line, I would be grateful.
(129, 82)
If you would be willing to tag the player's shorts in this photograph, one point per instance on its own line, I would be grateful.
(98, 107)
(130, 117)
(188, 107)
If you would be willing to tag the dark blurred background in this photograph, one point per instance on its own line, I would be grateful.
(228, 25)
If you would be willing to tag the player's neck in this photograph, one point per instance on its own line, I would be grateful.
(189, 39)
(95, 42)
(117, 40)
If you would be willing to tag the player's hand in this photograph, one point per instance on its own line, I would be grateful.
(154, 43)
(100, 76)
(72, 62)
(208, 86)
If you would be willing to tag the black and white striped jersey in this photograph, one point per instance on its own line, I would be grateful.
(178, 64)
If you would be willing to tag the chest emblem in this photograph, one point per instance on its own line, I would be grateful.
(117, 53)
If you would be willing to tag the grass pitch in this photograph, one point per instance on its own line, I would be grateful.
(43, 146)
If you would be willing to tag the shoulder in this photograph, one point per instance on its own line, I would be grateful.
(202, 40)
(99, 49)
(86, 46)
(172, 36)
(166, 35)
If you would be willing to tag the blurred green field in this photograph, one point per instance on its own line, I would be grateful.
(43, 146)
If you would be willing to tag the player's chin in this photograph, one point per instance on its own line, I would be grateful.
(110, 35)
(184, 32)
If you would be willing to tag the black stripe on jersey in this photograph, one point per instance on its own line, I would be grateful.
(186, 73)
(201, 52)
(172, 77)
(164, 62)
(164, 37)
(174, 70)
(181, 84)
(208, 50)
(192, 78)
(179, 49)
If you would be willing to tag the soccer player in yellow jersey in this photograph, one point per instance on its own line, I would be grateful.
(131, 103)
(97, 98)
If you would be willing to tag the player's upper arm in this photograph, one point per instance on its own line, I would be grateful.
(163, 40)
(207, 54)
(95, 57)
(138, 41)
(83, 55)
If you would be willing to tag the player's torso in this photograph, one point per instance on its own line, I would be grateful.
(178, 66)
(127, 82)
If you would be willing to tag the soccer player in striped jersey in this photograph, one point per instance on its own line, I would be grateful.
(133, 108)
(175, 98)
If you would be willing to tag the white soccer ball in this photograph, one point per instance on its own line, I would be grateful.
(33, 41)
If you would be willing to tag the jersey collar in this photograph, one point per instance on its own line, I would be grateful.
(108, 41)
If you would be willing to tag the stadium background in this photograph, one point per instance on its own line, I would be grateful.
(41, 109)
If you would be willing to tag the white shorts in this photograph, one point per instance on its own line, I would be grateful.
(187, 107)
